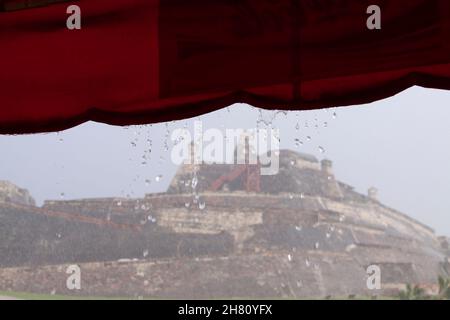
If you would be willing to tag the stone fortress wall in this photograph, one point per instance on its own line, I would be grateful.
(11, 193)
(304, 235)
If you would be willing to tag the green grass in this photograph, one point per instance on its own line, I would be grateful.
(36, 296)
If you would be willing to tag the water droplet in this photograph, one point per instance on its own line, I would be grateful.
(308, 138)
(298, 143)
(341, 218)
(62, 195)
(291, 196)
(297, 127)
(321, 149)
(158, 178)
(328, 235)
(194, 182)
(289, 258)
(202, 205)
(334, 115)
(307, 262)
(298, 228)
(187, 204)
(145, 254)
(317, 246)
(119, 203)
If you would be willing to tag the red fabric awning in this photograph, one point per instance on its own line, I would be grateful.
(143, 61)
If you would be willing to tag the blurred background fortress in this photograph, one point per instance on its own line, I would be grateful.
(220, 231)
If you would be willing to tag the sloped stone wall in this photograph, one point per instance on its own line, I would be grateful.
(267, 275)
(11, 193)
(32, 238)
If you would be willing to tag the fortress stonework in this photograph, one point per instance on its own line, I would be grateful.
(303, 235)
(11, 193)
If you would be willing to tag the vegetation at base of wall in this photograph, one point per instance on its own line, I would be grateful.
(418, 293)
(444, 288)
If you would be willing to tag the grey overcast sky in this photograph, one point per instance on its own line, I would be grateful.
(400, 145)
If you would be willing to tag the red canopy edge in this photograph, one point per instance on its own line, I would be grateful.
(146, 61)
